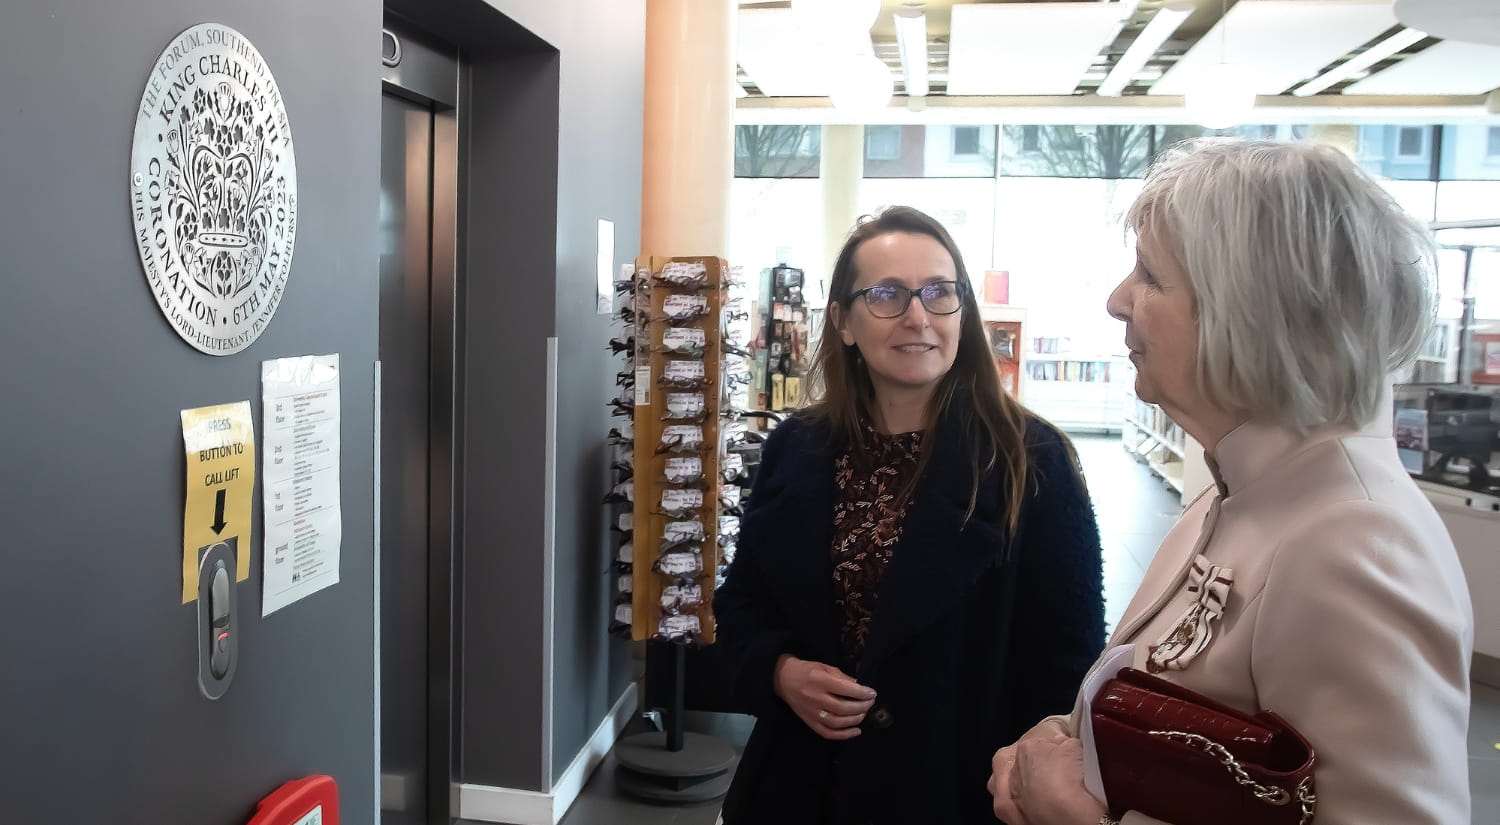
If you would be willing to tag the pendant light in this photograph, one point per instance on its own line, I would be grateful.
(1223, 95)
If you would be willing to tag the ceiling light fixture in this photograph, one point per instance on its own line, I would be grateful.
(1223, 94)
(1364, 60)
(1166, 21)
(1221, 97)
(911, 37)
(862, 84)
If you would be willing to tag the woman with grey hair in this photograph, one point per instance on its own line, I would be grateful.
(1275, 291)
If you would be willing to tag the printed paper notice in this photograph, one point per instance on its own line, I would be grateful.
(301, 467)
(220, 443)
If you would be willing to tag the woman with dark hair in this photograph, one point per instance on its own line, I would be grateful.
(918, 578)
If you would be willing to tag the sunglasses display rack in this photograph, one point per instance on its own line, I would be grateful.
(678, 401)
(691, 377)
(632, 304)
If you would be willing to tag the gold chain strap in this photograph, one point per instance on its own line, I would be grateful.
(1266, 793)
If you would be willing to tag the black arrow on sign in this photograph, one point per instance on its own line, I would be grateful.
(218, 524)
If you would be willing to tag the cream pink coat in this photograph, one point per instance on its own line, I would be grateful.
(1348, 615)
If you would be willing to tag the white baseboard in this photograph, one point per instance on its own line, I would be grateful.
(487, 803)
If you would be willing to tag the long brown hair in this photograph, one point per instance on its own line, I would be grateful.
(994, 429)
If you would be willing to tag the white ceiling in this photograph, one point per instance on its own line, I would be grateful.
(1027, 48)
(1472, 21)
(1446, 68)
(1280, 42)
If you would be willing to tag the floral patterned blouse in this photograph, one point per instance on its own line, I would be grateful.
(867, 522)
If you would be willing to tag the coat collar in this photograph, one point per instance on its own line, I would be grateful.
(942, 551)
(1253, 449)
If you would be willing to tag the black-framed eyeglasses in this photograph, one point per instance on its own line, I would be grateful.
(885, 301)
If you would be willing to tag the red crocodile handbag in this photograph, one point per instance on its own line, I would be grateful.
(1179, 756)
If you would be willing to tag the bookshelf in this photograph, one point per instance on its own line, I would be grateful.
(1077, 391)
(1151, 437)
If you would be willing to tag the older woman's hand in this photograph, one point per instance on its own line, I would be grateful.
(1001, 785)
(1046, 784)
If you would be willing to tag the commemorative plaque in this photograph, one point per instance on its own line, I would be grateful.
(213, 189)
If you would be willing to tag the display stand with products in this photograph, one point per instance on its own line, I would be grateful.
(784, 351)
(1005, 329)
(686, 379)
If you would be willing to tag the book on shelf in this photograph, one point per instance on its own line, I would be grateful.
(1064, 369)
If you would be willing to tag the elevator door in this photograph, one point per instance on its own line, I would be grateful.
(405, 446)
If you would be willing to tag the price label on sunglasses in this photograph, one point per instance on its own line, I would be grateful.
(731, 466)
(683, 338)
(680, 531)
(687, 436)
(683, 371)
(679, 500)
(682, 307)
(674, 626)
(684, 404)
(685, 273)
(679, 564)
(684, 469)
(677, 597)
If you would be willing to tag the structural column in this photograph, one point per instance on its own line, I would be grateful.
(1341, 137)
(688, 159)
(841, 168)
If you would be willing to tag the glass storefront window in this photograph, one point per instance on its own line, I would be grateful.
(965, 206)
(1062, 243)
(929, 152)
(777, 151)
(778, 221)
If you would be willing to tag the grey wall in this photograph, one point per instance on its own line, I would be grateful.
(97, 683)
(602, 84)
(100, 715)
(599, 76)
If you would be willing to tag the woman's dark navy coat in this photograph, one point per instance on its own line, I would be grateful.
(975, 637)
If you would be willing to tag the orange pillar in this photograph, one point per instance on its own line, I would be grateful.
(688, 152)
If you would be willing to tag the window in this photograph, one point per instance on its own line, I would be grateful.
(966, 141)
(883, 142)
(1031, 138)
(811, 143)
(1411, 142)
(1492, 149)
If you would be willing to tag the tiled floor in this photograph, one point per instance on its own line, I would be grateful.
(1134, 510)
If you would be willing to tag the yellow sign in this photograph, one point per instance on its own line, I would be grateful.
(220, 444)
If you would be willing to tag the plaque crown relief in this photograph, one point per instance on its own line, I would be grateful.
(214, 189)
(223, 173)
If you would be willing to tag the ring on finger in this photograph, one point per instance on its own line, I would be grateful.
(822, 714)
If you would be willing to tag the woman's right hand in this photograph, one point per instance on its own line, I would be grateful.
(823, 697)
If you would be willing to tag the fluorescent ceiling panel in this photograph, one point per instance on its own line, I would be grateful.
(778, 58)
(1026, 48)
(1446, 68)
(1281, 42)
